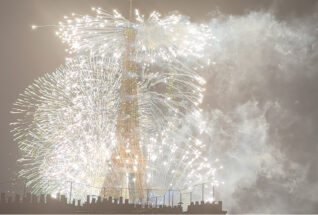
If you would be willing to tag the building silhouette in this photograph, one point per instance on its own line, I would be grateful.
(45, 204)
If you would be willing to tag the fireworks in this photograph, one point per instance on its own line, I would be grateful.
(66, 120)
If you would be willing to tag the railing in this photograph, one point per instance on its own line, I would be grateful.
(154, 196)
(45, 204)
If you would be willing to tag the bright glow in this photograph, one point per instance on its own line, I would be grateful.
(66, 126)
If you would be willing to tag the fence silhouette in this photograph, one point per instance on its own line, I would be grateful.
(45, 204)
(170, 197)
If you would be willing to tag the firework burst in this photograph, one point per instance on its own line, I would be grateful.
(66, 120)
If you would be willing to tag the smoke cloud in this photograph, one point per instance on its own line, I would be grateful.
(261, 104)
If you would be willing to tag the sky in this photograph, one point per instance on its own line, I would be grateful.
(261, 98)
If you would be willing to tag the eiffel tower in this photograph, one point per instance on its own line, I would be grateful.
(126, 178)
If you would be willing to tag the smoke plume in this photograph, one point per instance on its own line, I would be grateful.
(261, 105)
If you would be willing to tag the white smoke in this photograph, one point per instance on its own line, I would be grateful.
(262, 112)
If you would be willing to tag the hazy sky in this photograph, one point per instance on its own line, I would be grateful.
(287, 97)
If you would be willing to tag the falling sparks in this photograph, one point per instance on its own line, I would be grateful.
(66, 120)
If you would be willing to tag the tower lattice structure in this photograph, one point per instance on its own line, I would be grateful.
(126, 178)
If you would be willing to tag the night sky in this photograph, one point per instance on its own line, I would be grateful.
(263, 92)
